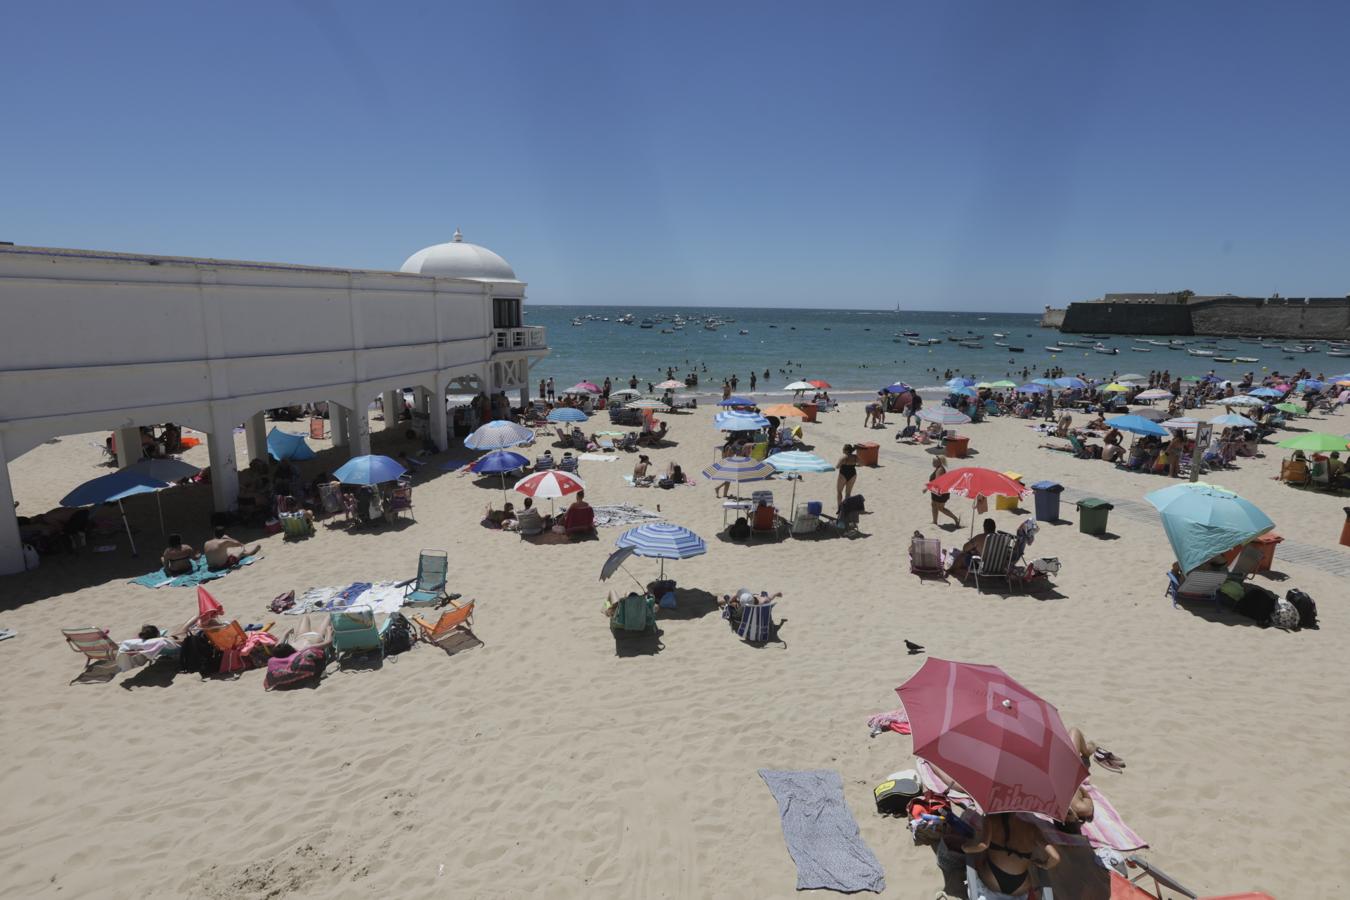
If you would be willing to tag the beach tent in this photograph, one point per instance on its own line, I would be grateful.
(1203, 521)
(284, 445)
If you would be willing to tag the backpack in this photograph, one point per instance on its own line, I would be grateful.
(1306, 606)
(283, 602)
(399, 636)
(1285, 615)
(1256, 604)
(295, 670)
(197, 654)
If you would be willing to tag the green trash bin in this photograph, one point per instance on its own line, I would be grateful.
(1092, 515)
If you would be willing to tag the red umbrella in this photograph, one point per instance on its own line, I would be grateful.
(208, 607)
(1001, 743)
(823, 385)
(550, 483)
(973, 482)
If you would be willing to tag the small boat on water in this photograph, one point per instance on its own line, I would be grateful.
(742, 331)
(1332, 353)
(576, 321)
(1223, 359)
(1016, 350)
(1142, 349)
(1108, 351)
(647, 323)
(909, 334)
(1191, 351)
(1055, 349)
(667, 330)
(1000, 343)
(1000, 334)
(1252, 359)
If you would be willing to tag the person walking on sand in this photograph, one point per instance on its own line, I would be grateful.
(848, 473)
(939, 501)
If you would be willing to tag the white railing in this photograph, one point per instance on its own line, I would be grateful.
(531, 337)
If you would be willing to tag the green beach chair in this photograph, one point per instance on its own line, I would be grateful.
(355, 630)
(428, 588)
(633, 613)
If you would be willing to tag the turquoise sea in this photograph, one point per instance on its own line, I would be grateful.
(852, 349)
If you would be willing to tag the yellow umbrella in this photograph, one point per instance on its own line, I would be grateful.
(783, 411)
(1117, 387)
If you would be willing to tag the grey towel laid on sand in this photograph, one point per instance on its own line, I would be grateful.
(821, 833)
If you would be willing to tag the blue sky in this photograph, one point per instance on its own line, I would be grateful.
(967, 155)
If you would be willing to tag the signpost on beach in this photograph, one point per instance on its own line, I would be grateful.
(1202, 435)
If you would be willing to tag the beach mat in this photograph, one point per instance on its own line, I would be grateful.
(821, 833)
(199, 574)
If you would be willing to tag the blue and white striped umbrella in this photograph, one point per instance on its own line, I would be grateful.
(739, 421)
(499, 434)
(1069, 382)
(1265, 392)
(798, 461)
(663, 541)
(567, 414)
(738, 469)
(1232, 419)
(1032, 388)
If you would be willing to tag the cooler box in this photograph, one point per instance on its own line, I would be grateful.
(1009, 502)
(867, 453)
(810, 409)
(1047, 500)
(1092, 515)
(956, 447)
(814, 507)
(1267, 542)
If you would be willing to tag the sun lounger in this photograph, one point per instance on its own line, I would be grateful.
(452, 622)
(428, 587)
(633, 613)
(996, 560)
(98, 649)
(355, 630)
(1199, 585)
(925, 557)
(756, 626)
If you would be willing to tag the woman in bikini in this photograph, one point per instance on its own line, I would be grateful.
(940, 500)
(848, 473)
(1001, 856)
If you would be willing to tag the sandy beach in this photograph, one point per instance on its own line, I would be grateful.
(544, 763)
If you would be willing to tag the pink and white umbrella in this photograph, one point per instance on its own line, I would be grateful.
(1001, 743)
(671, 385)
(583, 387)
(551, 483)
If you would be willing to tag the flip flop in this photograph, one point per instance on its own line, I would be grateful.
(1109, 760)
(7, 633)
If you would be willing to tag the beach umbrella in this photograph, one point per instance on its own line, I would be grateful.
(1153, 415)
(1242, 400)
(1310, 384)
(735, 400)
(284, 445)
(1230, 419)
(1116, 388)
(798, 462)
(1190, 377)
(737, 469)
(898, 388)
(615, 562)
(739, 421)
(1292, 408)
(979, 386)
(583, 387)
(1314, 442)
(960, 382)
(1004, 384)
(551, 484)
(567, 414)
(499, 462)
(1131, 376)
(370, 469)
(975, 482)
(208, 607)
(964, 391)
(1269, 393)
(1202, 521)
(114, 488)
(783, 411)
(1182, 423)
(1006, 747)
(1211, 378)
(663, 541)
(626, 392)
(800, 386)
(1154, 394)
(1045, 382)
(646, 404)
(818, 383)
(943, 415)
(1032, 388)
(671, 385)
(499, 434)
(1069, 382)
(1137, 425)
(171, 470)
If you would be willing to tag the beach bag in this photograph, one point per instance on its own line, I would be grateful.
(198, 655)
(893, 795)
(739, 530)
(298, 669)
(1307, 608)
(1285, 615)
(398, 638)
(283, 602)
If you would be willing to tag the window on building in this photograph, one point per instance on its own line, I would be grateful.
(506, 312)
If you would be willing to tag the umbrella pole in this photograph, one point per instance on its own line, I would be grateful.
(160, 503)
(127, 525)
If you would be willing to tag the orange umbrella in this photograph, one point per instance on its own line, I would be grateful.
(783, 411)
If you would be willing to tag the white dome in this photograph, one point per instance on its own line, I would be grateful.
(458, 259)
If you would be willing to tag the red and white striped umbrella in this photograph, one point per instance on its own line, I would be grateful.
(550, 484)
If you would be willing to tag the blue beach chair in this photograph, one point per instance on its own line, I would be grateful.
(356, 631)
(428, 588)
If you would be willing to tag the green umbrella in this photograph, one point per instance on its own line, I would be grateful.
(1190, 377)
(1314, 442)
(1004, 384)
(1292, 408)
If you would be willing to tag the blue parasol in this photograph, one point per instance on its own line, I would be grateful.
(567, 414)
(371, 469)
(1203, 521)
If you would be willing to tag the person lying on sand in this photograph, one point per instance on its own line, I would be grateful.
(223, 551)
(743, 597)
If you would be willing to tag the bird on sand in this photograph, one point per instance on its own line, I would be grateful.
(913, 648)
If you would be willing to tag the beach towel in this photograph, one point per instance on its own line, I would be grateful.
(821, 833)
(624, 514)
(200, 573)
(896, 720)
(599, 457)
(382, 596)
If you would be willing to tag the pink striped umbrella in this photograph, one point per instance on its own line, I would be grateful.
(1001, 743)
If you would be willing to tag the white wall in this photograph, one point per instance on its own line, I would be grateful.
(92, 341)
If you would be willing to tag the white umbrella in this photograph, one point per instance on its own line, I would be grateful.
(800, 386)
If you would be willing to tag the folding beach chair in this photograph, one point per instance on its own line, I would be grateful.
(1247, 562)
(452, 622)
(99, 650)
(633, 613)
(225, 637)
(996, 560)
(330, 499)
(1123, 887)
(804, 521)
(925, 557)
(401, 499)
(296, 526)
(756, 625)
(428, 587)
(355, 630)
(1199, 585)
(579, 521)
(764, 520)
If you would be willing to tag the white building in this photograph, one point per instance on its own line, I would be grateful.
(95, 341)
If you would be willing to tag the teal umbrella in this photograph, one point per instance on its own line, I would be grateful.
(1203, 521)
